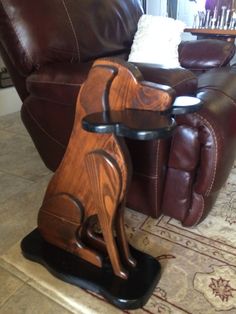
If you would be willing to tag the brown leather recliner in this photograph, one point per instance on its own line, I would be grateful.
(49, 47)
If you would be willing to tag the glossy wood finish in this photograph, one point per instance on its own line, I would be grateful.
(135, 124)
(132, 293)
(91, 181)
(140, 124)
(224, 34)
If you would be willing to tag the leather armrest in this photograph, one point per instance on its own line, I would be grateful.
(219, 80)
(203, 150)
(205, 54)
(183, 81)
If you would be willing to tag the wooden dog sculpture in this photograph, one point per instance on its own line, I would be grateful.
(90, 185)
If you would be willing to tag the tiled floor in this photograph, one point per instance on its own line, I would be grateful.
(23, 179)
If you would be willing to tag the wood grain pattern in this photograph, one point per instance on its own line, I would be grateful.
(106, 180)
(92, 179)
(223, 34)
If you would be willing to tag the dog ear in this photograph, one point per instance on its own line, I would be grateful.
(94, 93)
(128, 90)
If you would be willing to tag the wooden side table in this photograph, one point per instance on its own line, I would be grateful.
(87, 193)
(227, 35)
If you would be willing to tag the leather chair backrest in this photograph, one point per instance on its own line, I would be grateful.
(33, 33)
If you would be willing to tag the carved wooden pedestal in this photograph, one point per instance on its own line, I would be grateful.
(81, 236)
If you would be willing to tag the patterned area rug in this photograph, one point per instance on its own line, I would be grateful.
(198, 264)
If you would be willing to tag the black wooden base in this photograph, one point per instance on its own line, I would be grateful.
(125, 294)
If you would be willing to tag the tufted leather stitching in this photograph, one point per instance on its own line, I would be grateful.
(73, 29)
(216, 155)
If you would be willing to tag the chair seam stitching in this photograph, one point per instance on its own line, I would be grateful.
(184, 80)
(215, 155)
(145, 175)
(52, 101)
(156, 169)
(73, 29)
(199, 216)
(55, 83)
(43, 130)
